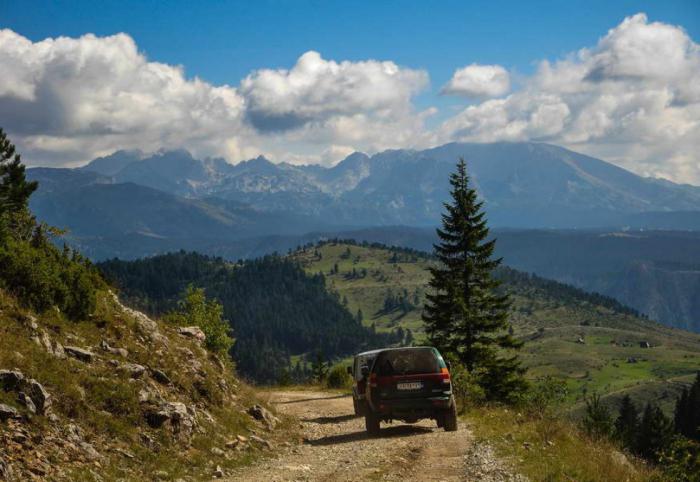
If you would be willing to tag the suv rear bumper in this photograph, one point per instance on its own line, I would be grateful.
(412, 407)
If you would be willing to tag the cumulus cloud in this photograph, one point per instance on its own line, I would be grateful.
(316, 90)
(478, 81)
(633, 99)
(67, 100)
(71, 98)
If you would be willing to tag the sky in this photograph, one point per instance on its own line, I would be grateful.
(311, 81)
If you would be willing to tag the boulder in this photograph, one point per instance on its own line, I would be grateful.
(194, 332)
(79, 354)
(38, 395)
(11, 380)
(160, 376)
(261, 441)
(261, 413)
(7, 412)
(26, 400)
(122, 352)
(133, 369)
(177, 415)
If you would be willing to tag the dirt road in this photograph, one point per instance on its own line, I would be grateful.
(337, 448)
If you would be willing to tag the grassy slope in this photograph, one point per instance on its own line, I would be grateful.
(550, 326)
(104, 402)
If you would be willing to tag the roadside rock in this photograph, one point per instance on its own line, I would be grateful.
(90, 451)
(26, 400)
(11, 380)
(39, 395)
(218, 473)
(264, 415)
(79, 354)
(133, 369)
(261, 441)
(122, 352)
(194, 332)
(179, 417)
(7, 412)
(160, 376)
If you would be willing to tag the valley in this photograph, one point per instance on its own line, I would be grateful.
(592, 342)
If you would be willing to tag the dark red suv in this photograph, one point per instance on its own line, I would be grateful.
(408, 384)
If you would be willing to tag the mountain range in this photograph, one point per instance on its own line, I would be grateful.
(130, 205)
(522, 185)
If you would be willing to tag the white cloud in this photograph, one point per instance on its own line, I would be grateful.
(67, 100)
(633, 99)
(478, 81)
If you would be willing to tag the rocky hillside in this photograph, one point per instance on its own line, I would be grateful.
(119, 396)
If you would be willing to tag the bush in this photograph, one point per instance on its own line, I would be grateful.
(195, 309)
(42, 277)
(339, 378)
(544, 398)
(465, 386)
(681, 461)
(597, 422)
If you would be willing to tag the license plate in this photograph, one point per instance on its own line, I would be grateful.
(409, 386)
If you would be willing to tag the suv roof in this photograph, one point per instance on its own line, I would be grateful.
(372, 352)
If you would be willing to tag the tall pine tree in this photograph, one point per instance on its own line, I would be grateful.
(465, 315)
(15, 191)
(655, 433)
(627, 423)
(687, 413)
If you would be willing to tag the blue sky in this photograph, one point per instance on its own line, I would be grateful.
(223, 43)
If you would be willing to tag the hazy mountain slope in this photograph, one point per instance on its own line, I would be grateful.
(106, 218)
(550, 317)
(523, 185)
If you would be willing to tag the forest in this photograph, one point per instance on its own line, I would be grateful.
(275, 309)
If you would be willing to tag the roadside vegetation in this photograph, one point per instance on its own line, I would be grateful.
(93, 390)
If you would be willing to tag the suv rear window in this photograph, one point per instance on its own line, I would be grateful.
(409, 361)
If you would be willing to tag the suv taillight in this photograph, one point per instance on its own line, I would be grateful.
(445, 376)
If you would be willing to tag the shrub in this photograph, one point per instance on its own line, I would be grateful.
(41, 277)
(195, 309)
(544, 398)
(339, 378)
(465, 386)
(681, 461)
(597, 422)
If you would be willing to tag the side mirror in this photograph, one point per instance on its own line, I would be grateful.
(449, 365)
(349, 370)
(364, 370)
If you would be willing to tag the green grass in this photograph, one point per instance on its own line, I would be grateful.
(549, 325)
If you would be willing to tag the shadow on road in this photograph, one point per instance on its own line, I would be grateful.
(325, 420)
(299, 400)
(389, 432)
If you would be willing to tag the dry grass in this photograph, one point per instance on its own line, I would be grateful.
(553, 449)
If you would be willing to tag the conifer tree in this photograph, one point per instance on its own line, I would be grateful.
(687, 413)
(464, 314)
(15, 192)
(627, 423)
(655, 432)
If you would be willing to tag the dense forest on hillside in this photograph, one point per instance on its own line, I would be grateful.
(276, 310)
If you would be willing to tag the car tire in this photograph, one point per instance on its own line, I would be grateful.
(372, 423)
(440, 420)
(449, 420)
